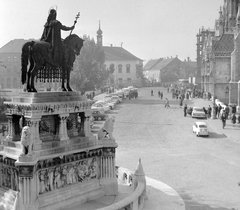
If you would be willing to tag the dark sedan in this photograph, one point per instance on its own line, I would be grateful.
(98, 115)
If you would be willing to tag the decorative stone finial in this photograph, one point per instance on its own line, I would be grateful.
(139, 171)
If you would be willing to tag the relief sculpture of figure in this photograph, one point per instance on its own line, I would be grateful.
(52, 35)
(26, 141)
(106, 131)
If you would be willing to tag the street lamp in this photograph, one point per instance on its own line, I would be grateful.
(213, 115)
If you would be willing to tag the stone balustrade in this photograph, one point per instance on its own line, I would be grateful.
(134, 201)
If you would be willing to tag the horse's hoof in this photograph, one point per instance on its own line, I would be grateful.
(34, 90)
(64, 89)
(69, 89)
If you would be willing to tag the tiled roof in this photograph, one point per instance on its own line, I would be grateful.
(164, 63)
(225, 43)
(118, 53)
(14, 46)
(150, 64)
(111, 53)
(192, 64)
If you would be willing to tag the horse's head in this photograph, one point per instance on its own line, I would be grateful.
(75, 42)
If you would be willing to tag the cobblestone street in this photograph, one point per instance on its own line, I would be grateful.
(204, 171)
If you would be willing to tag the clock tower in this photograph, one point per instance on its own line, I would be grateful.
(99, 36)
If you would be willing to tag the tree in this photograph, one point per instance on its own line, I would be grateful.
(90, 72)
(140, 75)
(3, 117)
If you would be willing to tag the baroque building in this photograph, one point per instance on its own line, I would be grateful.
(218, 54)
(124, 64)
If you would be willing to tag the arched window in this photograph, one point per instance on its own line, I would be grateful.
(128, 68)
(112, 68)
(120, 68)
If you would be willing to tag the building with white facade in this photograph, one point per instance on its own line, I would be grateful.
(123, 62)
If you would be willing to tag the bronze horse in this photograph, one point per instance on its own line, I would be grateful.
(38, 53)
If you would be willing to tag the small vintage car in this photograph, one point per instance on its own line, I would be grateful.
(198, 112)
(98, 115)
(200, 129)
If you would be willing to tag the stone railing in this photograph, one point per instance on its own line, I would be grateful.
(134, 201)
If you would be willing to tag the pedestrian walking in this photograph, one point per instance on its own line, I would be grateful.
(209, 111)
(234, 119)
(223, 118)
(227, 110)
(219, 110)
(167, 103)
(161, 95)
(216, 111)
(185, 110)
(181, 102)
(151, 92)
(238, 119)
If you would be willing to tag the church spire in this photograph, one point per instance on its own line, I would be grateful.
(99, 35)
(221, 22)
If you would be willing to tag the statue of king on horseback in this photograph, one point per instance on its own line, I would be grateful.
(50, 58)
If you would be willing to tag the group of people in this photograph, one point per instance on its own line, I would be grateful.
(160, 94)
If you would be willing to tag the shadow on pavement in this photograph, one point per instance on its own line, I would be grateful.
(194, 205)
(217, 135)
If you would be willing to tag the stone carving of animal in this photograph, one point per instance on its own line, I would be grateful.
(106, 131)
(26, 141)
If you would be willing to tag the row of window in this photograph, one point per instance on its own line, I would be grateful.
(9, 59)
(120, 68)
(121, 80)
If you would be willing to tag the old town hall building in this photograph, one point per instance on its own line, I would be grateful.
(218, 55)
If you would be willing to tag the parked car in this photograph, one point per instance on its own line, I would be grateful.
(98, 115)
(112, 104)
(110, 98)
(198, 112)
(118, 95)
(118, 99)
(200, 129)
(99, 108)
(99, 105)
(107, 103)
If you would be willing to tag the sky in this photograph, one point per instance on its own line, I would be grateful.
(149, 29)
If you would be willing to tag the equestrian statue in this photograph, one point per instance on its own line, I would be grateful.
(50, 58)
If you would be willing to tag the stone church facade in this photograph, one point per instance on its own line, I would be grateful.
(218, 55)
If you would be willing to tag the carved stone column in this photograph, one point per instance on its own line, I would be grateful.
(27, 187)
(63, 127)
(11, 131)
(108, 177)
(87, 129)
(35, 130)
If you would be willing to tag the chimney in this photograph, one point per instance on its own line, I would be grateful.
(176, 56)
(110, 45)
(188, 59)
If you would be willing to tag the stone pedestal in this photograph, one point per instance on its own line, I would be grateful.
(64, 167)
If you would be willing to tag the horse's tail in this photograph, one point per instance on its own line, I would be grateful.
(24, 59)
